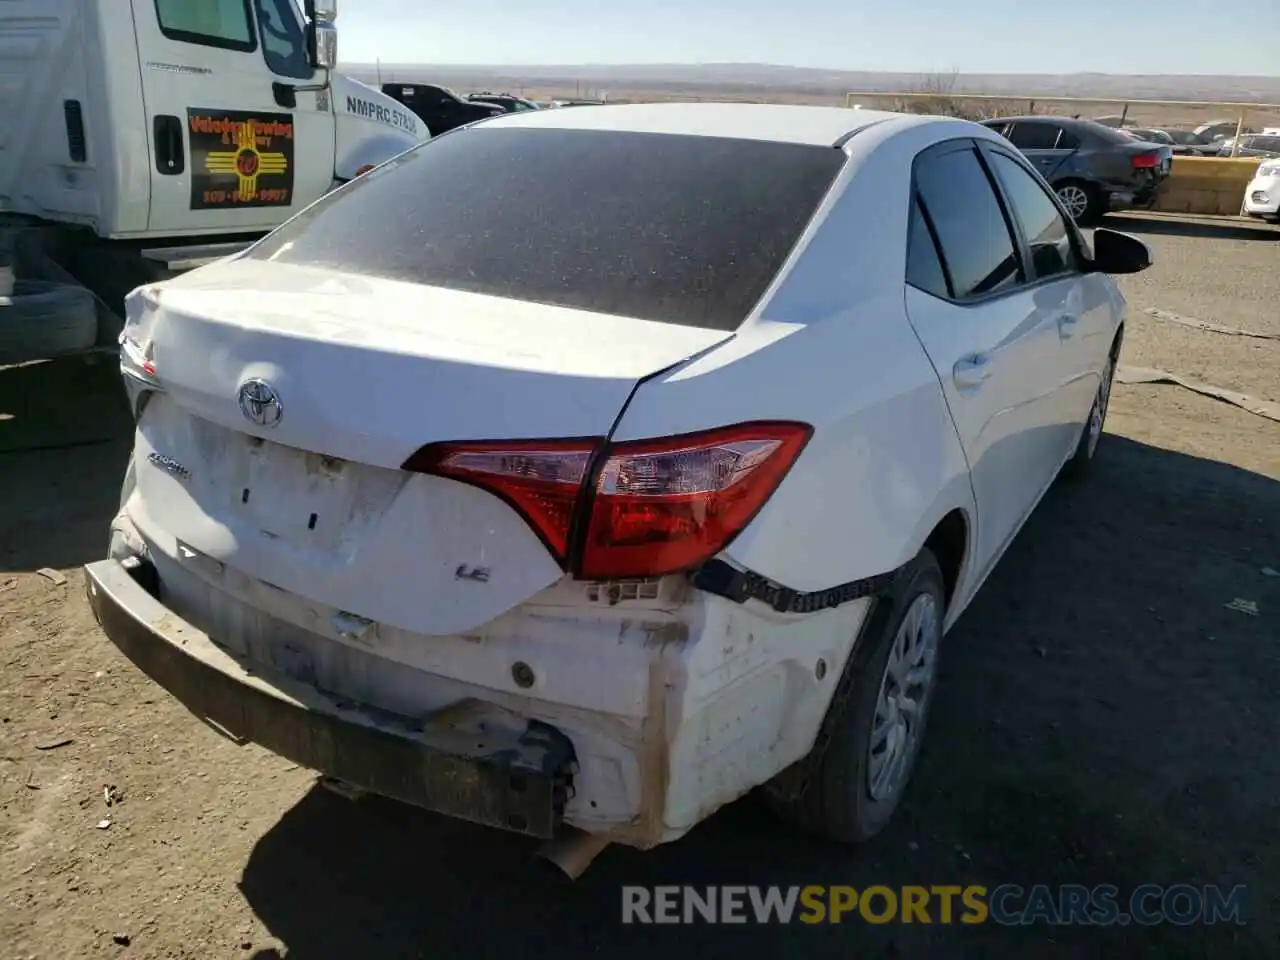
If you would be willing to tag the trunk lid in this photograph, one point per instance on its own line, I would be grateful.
(366, 371)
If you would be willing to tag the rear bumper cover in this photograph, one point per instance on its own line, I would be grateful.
(517, 782)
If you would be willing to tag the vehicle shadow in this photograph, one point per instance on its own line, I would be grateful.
(1103, 718)
(1171, 226)
(65, 432)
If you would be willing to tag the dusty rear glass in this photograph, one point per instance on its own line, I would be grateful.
(678, 229)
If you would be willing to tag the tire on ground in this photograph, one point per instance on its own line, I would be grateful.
(837, 804)
(46, 320)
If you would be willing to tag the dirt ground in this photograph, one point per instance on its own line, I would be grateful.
(1105, 716)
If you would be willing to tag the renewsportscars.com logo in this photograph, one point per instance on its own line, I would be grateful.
(1006, 905)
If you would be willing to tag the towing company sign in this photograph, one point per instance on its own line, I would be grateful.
(240, 159)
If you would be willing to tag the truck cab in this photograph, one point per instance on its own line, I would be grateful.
(181, 118)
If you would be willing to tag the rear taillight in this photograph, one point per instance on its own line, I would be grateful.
(1145, 161)
(660, 506)
(639, 508)
(541, 479)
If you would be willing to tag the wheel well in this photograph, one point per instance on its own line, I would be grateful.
(1117, 342)
(948, 542)
(1089, 187)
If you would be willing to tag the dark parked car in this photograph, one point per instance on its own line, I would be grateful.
(507, 101)
(1251, 145)
(1184, 142)
(1093, 169)
(1189, 138)
(439, 107)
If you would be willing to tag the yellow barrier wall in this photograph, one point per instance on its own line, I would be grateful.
(1207, 185)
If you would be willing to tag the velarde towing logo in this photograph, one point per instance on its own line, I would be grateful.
(240, 159)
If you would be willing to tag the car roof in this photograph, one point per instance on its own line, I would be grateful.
(1070, 123)
(782, 123)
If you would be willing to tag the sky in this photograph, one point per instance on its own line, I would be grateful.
(913, 36)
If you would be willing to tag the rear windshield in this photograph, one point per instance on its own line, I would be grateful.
(1110, 134)
(679, 229)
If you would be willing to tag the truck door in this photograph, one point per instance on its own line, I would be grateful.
(234, 147)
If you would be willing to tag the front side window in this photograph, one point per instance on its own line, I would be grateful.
(284, 45)
(1042, 224)
(210, 23)
(688, 230)
(1034, 136)
(961, 203)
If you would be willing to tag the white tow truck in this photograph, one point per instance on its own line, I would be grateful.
(143, 138)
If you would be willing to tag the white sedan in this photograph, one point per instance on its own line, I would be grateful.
(590, 468)
(1262, 196)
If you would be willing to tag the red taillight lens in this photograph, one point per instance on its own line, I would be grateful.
(661, 506)
(656, 507)
(541, 479)
(1145, 161)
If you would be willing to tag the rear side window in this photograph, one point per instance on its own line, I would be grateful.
(924, 267)
(678, 229)
(1034, 135)
(210, 23)
(961, 203)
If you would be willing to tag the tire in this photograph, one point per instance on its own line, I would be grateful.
(45, 320)
(1081, 462)
(1082, 200)
(845, 800)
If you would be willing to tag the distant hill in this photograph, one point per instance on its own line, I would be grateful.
(744, 79)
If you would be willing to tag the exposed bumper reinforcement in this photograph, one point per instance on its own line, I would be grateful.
(516, 782)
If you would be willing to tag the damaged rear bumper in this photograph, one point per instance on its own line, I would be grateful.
(516, 780)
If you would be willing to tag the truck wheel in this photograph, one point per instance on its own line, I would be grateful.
(42, 320)
(875, 733)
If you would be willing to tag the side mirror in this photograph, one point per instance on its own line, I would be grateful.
(323, 44)
(1116, 252)
(322, 35)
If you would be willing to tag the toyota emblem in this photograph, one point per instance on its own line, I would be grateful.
(260, 403)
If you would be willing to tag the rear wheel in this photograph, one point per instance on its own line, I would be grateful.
(877, 728)
(1082, 200)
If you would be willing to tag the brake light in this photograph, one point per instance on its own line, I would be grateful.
(661, 506)
(1145, 161)
(540, 479)
(653, 507)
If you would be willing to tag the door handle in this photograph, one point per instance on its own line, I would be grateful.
(1067, 325)
(170, 157)
(971, 372)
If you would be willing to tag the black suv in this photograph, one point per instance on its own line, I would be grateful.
(439, 107)
(1093, 169)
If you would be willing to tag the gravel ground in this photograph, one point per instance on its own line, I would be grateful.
(1103, 717)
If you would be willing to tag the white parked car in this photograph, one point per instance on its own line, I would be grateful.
(1262, 196)
(602, 500)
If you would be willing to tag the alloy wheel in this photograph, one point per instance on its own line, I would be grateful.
(903, 699)
(1075, 199)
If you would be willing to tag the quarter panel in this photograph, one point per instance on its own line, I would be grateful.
(884, 460)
